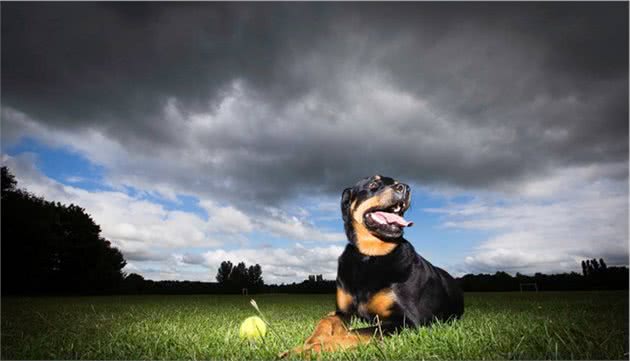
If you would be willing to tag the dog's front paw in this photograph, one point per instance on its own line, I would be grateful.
(292, 352)
(284, 354)
(315, 346)
(328, 333)
(309, 350)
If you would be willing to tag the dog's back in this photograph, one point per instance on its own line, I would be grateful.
(438, 294)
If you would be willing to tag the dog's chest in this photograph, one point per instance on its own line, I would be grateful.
(368, 305)
(380, 304)
(366, 290)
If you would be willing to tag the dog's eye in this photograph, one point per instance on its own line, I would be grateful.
(373, 185)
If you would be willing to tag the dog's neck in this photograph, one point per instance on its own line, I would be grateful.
(360, 270)
(368, 244)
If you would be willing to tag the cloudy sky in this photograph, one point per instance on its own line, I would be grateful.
(201, 132)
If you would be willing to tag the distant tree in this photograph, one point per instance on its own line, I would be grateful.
(8, 182)
(57, 247)
(238, 277)
(134, 277)
(133, 283)
(311, 278)
(595, 265)
(602, 264)
(254, 277)
(319, 278)
(223, 274)
(234, 278)
(584, 268)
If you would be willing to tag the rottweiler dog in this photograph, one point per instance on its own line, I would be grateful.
(380, 277)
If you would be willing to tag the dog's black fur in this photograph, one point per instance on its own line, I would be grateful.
(419, 292)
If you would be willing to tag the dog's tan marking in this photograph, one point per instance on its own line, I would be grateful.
(381, 303)
(359, 210)
(344, 300)
(370, 245)
(367, 243)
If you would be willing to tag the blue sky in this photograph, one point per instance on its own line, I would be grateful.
(192, 141)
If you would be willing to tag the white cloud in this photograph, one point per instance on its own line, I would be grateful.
(551, 226)
(227, 219)
(75, 179)
(296, 227)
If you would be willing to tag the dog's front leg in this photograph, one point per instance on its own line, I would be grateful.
(331, 334)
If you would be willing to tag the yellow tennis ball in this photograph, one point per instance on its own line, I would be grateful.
(253, 328)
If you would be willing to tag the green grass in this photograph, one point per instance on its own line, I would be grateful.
(544, 325)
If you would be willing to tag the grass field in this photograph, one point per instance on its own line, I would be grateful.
(544, 325)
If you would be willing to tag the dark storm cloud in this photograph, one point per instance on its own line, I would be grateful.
(144, 255)
(193, 258)
(473, 95)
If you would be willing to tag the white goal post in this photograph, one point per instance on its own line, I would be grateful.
(529, 287)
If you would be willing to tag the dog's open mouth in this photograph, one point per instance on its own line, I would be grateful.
(388, 218)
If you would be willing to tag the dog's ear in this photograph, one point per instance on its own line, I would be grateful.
(345, 204)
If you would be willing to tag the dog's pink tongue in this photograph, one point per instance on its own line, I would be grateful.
(392, 218)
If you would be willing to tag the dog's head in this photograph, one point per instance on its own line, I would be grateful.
(374, 208)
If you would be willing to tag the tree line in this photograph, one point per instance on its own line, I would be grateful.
(611, 278)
